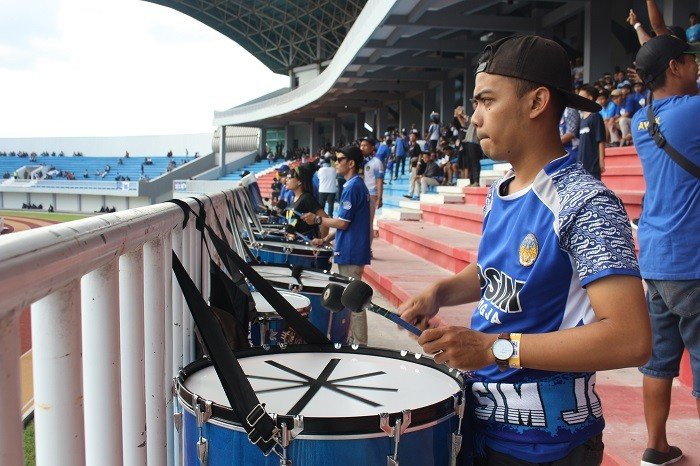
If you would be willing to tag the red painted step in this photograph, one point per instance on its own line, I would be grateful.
(414, 274)
(632, 199)
(624, 178)
(445, 247)
(463, 217)
(622, 157)
(476, 196)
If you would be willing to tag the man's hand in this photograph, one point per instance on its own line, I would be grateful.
(379, 203)
(459, 347)
(419, 309)
(632, 18)
(318, 242)
(309, 217)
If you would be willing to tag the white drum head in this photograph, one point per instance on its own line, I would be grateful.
(356, 384)
(298, 301)
(276, 274)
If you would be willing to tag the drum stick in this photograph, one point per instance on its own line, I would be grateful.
(357, 297)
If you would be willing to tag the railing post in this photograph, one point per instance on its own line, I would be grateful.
(177, 310)
(187, 324)
(11, 452)
(101, 384)
(132, 355)
(168, 341)
(154, 322)
(58, 390)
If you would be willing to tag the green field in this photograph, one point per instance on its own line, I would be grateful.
(29, 453)
(53, 216)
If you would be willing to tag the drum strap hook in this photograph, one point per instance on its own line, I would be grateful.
(202, 416)
(177, 414)
(460, 403)
(395, 432)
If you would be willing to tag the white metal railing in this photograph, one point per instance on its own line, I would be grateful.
(109, 332)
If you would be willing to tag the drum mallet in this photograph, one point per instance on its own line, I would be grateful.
(331, 297)
(358, 297)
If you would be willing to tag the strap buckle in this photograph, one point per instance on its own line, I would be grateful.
(255, 437)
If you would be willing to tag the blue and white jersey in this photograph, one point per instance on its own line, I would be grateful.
(373, 171)
(352, 245)
(540, 248)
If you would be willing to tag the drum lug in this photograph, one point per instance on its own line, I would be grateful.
(202, 416)
(202, 451)
(395, 432)
(177, 415)
(456, 447)
(177, 419)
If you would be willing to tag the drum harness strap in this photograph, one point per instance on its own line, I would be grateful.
(262, 428)
(234, 231)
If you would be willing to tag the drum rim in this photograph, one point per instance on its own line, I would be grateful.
(334, 426)
(281, 245)
(340, 279)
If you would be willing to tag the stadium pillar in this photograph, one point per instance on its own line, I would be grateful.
(337, 130)
(676, 12)
(382, 121)
(287, 139)
(404, 105)
(263, 142)
(596, 32)
(221, 162)
(447, 98)
(359, 122)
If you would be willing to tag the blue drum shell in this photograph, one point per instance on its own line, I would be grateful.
(428, 446)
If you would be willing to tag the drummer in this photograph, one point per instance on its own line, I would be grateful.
(300, 182)
(352, 235)
(557, 283)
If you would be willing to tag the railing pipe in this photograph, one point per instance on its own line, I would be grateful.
(168, 341)
(58, 389)
(131, 330)
(154, 323)
(11, 453)
(101, 373)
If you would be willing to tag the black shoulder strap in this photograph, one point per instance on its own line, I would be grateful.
(661, 142)
(245, 404)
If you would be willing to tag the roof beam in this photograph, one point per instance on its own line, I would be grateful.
(436, 19)
(435, 45)
(395, 85)
(402, 75)
(417, 62)
(562, 13)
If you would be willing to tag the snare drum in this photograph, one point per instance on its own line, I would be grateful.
(341, 420)
(311, 284)
(280, 252)
(269, 328)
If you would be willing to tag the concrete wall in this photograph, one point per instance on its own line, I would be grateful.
(92, 203)
(41, 198)
(13, 200)
(68, 202)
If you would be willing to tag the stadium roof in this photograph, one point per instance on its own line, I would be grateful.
(282, 34)
(393, 48)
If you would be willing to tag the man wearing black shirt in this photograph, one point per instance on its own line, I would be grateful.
(591, 147)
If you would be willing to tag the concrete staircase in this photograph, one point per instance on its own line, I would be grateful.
(410, 255)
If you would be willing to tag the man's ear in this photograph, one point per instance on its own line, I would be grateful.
(539, 100)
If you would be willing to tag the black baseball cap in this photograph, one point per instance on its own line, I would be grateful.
(656, 53)
(353, 153)
(535, 59)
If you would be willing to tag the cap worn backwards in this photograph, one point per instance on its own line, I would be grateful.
(654, 56)
(534, 59)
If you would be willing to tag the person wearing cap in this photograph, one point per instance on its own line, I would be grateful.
(612, 123)
(669, 246)
(556, 277)
(352, 235)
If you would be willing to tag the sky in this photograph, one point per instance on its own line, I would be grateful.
(117, 68)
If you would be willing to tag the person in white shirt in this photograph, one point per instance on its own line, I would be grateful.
(327, 186)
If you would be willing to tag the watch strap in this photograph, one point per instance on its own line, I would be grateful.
(514, 361)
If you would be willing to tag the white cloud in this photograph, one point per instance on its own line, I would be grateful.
(120, 67)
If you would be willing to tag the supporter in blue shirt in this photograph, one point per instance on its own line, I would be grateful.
(556, 277)
(401, 150)
(383, 151)
(669, 245)
(692, 34)
(352, 236)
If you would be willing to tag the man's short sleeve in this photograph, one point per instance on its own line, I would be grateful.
(596, 232)
(378, 169)
(598, 128)
(349, 203)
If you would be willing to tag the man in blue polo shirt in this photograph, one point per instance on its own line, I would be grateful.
(556, 278)
(352, 236)
(669, 246)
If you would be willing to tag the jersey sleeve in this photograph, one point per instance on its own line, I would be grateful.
(596, 233)
(378, 170)
(349, 203)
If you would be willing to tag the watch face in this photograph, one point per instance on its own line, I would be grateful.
(502, 349)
